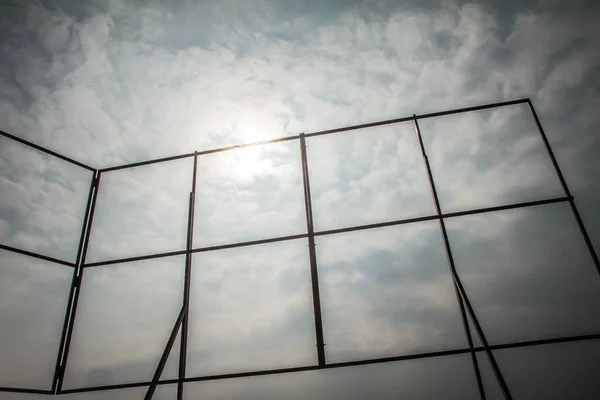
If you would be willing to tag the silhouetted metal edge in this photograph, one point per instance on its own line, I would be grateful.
(76, 284)
(416, 116)
(331, 231)
(319, 133)
(187, 283)
(249, 243)
(314, 272)
(472, 108)
(148, 162)
(47, 151)
(58, 368)
(36, 255)
(541, 342)
(24, 390)
(198, 250)
(435, 217)
(135, 258)
(199, 153)
(442, 353)
(165, 355)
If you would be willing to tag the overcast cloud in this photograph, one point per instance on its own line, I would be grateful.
(114, 82)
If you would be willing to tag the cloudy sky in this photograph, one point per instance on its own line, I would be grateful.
(114, 82)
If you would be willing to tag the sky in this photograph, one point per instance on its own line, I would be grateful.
(114, 82)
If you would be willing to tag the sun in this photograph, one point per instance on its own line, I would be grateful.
(258, 126)
(248, 163)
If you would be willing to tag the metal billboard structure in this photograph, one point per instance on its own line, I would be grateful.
(181, 326)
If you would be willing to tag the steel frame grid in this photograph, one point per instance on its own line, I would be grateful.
(462, 298)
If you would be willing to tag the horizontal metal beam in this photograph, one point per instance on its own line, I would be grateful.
(540, 342)
(22, 390)
(281, 139)
(118, 386)
(47, 151)
(567, 339)
(249, 243)
(241, 146)
(319, 133)
(200, 153)
(378, 225)
(473, 108)
(148, 162)
(360, 126)
(445, 216)
(198, 250)
(36, 255)
(333, 231)
(413, 117)
(136, 258)
(506, 207)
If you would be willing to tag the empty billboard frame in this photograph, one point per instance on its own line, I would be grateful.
(477, 341)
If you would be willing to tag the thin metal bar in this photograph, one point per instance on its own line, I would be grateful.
(318, 133)
(474, 108)
(454, 273)
(200, 153)
(187, 283)
(23, 390)
(77, 278)
(118, 386)
(165, 354)
(411, 118)
(136, 258)
(198, 250)
(360, 126)
(505, 207)
(539, 342)
(148, 162)
(530, 343)
(448, 215)
(47, 151)
(36, 255)
(314, 273)
(249, 243)
(377, 225)
(58, 369)
(329, 232)
(242, 146)
(474, 361)
(331, 365)
(565, 187)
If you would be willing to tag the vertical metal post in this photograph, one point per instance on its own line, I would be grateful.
(187, 283)
(312, 255)
(65, 342)
(565, 188)
(457, 282)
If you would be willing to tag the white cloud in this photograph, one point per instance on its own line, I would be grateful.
(134, 81)
(33, 297)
